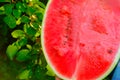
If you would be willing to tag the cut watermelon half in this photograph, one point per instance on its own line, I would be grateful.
(80, 38)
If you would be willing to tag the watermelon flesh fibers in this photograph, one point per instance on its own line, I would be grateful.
(80, 38)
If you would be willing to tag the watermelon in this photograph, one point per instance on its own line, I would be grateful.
(80, 38)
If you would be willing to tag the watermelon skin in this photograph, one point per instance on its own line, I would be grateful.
(81, 44)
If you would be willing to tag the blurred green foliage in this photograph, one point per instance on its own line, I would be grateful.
(20, 28)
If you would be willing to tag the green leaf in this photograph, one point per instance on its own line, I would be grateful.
(22, 41)
(17, 33)
(2, 10)
(39, 9)
(39, 16)
(41, 4)
(29, 46)
(21, 6)
(30, 10)
(17, 13)
(50, 72)
(11, 51)
(34, 51)
(37, 33)
(8, 8)
(34, 1)
(22, 55)
(26, 1)
(24, 75)
(25, 19)
(43, 61)
(10, 21)
(39, 73)
(18, 22)
(29, 30)
(35, 25)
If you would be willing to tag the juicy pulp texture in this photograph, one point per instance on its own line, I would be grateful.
(81, 38)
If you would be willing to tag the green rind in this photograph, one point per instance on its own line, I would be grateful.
(42, 42)
(58, 74)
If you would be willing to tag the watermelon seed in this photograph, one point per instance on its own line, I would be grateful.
(110, 51)
(65, 13)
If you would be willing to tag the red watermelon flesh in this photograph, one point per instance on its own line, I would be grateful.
(80, 38)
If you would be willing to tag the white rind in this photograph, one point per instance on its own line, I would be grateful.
(50, 64)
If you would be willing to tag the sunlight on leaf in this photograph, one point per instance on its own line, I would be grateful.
(50, 71)
(11, 51)
(24, 75)
(17, 33)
